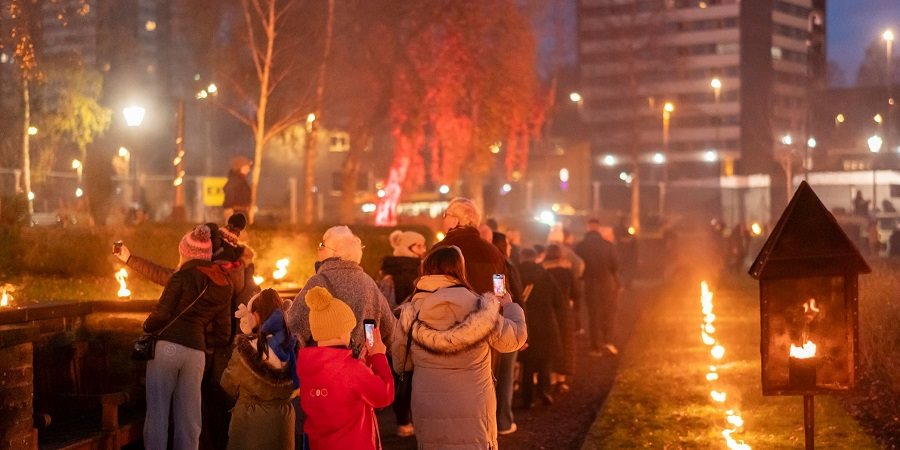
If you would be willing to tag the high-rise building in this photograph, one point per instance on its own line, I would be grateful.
(737, 76)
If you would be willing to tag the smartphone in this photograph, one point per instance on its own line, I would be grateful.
(369, 326)
(499, 284)
(117, 247)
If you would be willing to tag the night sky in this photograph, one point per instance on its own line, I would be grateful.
(853, 24)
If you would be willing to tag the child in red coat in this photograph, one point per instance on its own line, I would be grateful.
(338, 392)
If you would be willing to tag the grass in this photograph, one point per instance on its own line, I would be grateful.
(661, 398)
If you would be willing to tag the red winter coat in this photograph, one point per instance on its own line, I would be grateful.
(338, 394)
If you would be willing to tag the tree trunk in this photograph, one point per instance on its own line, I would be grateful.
(309, 156)
(350, 176)
(476, 191)
(259, 132)
(26, 142)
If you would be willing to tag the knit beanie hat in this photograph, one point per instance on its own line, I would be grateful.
(345, 244)
(196, 244)
(329, 317)
(401, 241)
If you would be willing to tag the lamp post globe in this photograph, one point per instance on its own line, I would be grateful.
(134, 115)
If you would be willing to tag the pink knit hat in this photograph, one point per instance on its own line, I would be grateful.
(196, 244)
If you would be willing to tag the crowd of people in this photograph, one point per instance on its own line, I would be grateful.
(435, 335)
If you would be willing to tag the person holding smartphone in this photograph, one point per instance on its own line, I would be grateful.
(445, 334)
(338, 393)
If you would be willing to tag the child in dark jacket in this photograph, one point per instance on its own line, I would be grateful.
(338, 393)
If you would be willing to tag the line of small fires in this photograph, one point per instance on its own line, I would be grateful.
(717, 352)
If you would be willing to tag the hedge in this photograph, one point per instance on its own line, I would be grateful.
(77, 251)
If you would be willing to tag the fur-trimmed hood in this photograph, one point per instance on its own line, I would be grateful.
(474, 329)
(260, 369)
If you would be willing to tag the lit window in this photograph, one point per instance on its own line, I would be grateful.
(777, 53)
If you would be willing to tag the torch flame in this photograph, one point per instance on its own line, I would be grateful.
(718, 396)
(281, 271)
(808, 350)
(707, 339)
(121, 275)
(4, 299)
(712, 376)
(717, 352)
(735, 420)
(810, 306)
(732, 443)
(258, 280)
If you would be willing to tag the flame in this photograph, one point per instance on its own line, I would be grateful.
(810, 306)
(712, 376)
(121, 275)
(281, 271)
(732, 443)
(709, 328)
(707, 339)
(718, 396)
(704, 287)
(258, 280)
(4, 299)
(808, 350)
(440, 236)
(734, 419)
(709, 318)
(717, 352)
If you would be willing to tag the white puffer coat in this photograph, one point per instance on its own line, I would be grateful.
(453, 330)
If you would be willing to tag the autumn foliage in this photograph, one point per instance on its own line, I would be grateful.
(469, 84)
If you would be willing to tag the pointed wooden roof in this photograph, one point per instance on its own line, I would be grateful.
(807, 241)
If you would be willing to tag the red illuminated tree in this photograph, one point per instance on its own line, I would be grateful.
(469, 85)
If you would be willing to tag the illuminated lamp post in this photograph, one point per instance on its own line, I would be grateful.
(668, 109)
(134, 117)
(874, 142)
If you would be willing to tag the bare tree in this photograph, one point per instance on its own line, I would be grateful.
(271, 95)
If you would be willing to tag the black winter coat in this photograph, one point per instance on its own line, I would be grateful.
(483, 260)
(540, 312)
(403, 270)
(600, 264)
(213, 308)
(237, 191)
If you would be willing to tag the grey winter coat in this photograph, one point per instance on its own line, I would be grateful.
(347, 281)
(454, 404)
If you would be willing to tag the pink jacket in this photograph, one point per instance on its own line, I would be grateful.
(338, 394)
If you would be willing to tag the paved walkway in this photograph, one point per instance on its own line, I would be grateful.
(564, 424)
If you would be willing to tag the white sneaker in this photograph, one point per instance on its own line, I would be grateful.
(405, 430)
(511, 430)
(612, 349)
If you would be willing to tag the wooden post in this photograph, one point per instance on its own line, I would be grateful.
(809, 421)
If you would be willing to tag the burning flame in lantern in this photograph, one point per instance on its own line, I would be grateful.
(5, 299)
(808, 350)
(281, 268)
(121, 275)
(258, 280)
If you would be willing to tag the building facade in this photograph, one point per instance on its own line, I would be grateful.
(736, 75)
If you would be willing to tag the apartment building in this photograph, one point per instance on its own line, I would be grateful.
(736, 76)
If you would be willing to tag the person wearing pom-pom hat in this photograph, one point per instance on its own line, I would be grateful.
(338, 393)
(195, 298)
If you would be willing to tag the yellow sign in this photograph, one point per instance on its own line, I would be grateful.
(214, 191)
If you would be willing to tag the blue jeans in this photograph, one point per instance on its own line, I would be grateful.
(505, 371)
(175, 374)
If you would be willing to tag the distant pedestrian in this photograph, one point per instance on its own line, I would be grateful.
(400, 270)
(445, 334)
(505, 363)
(601, 288)
(238, 194)
(483, 260)
(338, 270)
(399, 273)
(860, 205)
(541, 299)
(196, 299)
(560, 270)
(338, 393)
(261, 375)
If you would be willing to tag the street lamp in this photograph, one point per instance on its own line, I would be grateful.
(134, 115)
(575, 97)
(668, 109)
(874, 142)
(807, 160)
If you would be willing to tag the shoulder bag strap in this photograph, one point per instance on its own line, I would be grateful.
(182, 311)
(402, 373)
